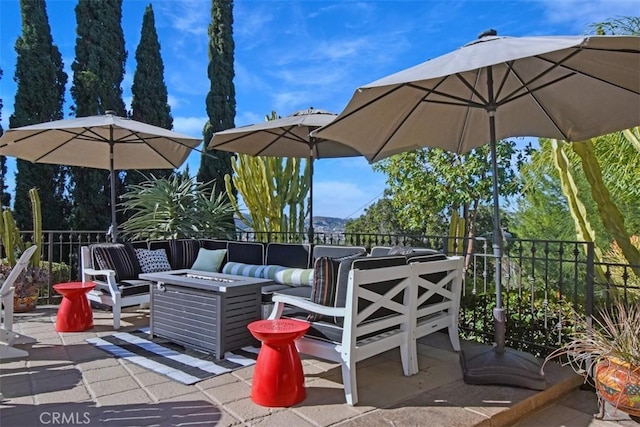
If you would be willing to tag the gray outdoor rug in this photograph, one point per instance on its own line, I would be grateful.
(172, 360)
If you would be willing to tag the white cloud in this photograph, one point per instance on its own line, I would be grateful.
(248, 21)
(248, 118)
(580, 14)
(190, 17)
(174, 102)
(189, 125)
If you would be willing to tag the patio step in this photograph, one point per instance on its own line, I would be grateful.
(528, 406)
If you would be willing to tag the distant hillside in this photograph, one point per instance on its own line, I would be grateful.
(328, 223)
(320, 223)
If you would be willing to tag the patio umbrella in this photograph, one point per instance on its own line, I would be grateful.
(571, 88)
(102, 142)
(285, 137)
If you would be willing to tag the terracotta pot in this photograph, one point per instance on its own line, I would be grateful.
(618, 383)
(25, 304)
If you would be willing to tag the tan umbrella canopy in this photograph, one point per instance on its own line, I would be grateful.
(102, 142)
(285, 137)
(571, 88)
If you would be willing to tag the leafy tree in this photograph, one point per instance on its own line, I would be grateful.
(379, 218)
(5, 197)
(149, 102)
(176, 206)
(429, 184)
(541, 211)
(39, 98)
(98, 71)
(221, 99)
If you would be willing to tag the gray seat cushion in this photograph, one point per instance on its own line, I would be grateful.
(296, 291)
(126, 287)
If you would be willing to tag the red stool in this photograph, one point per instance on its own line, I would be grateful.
(278, 379)
(74, 313)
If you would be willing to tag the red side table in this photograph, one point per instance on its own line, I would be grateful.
(74, 313)
(278, 379)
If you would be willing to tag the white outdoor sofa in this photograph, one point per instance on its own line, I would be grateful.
(379, 303)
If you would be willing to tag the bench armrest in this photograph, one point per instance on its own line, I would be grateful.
(94, 272)
(307, 305)
(111, 280)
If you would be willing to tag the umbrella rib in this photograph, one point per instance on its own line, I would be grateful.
(234, 139)
(295, 137)
(277, 135)
(289, 134)
(462, 102)
(363, 106)
(240, 136)
(143, 141)
(57, 147)
(554, 64)
(532, 93)
(397, 128)
(591, 76)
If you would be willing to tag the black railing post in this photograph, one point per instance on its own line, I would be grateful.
(591, 269)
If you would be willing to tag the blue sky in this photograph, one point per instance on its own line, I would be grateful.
(291, 55)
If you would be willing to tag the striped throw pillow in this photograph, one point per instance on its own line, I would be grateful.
(270, 271)
(247, 270)
(330, 275)
(295, 276)
(117, 257)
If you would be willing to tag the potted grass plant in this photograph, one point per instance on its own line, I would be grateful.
(607, 353)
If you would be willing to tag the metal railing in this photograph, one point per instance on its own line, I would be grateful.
(546, 283)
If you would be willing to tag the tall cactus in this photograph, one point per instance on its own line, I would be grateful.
(36, 212)
(584, 231)
(633, 136)
(10, 234)
(273, 189)
(611, 217)
(11, 240)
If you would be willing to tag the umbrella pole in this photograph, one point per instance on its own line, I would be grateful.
(498, 364)
(114, 222)
(311, 231)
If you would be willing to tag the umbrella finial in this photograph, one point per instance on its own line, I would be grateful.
(487, 33)
(110, 113)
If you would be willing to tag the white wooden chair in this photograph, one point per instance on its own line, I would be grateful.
(375, 318)
(9, 338)
(438, 285)
(108, 291)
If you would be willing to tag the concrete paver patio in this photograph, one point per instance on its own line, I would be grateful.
(66, 381)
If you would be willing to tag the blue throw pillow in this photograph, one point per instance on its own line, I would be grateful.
(209, 260)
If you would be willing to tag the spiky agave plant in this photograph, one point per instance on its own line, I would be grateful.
(175, 207)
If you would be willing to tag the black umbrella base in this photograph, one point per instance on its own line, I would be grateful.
(486, 365)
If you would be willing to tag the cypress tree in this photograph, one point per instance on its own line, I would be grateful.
(39, 98)
(98, 71)
(5, 197)
(221, 99)
(149, 103)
